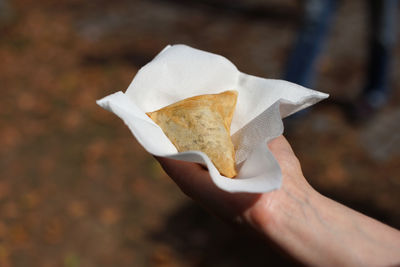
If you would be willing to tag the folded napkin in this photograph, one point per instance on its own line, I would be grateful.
(179, 72)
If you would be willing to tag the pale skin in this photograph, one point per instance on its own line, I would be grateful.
(309, 227)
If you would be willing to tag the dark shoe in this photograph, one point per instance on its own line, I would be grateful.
(360, 111)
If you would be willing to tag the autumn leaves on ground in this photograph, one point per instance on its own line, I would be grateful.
(76, 189)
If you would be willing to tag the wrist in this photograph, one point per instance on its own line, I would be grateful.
(291, 211)
(276, 210)
(316, 230)
(319, 231)
(292, 223)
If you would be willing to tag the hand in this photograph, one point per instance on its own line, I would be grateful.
(309, 227)
(257, 210)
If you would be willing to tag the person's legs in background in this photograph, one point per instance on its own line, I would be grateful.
(318, 15)
(300, 68)
(6, 12)
(383, 20)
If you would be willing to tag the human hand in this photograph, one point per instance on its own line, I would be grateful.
(255, 210)
(311, 228)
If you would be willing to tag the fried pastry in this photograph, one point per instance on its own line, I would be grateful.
(202, 123)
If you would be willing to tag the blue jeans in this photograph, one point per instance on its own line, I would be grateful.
(383, 16)
(318, 16)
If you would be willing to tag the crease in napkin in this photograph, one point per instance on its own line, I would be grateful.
(179, 72)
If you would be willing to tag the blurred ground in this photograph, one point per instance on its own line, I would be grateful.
(77, 190)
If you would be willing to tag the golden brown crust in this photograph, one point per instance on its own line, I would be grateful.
(202, 123)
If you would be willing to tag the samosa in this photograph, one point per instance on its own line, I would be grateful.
(202, 123)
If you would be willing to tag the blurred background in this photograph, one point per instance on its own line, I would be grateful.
(76, 189)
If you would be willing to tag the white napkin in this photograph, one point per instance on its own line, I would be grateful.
(179, 72)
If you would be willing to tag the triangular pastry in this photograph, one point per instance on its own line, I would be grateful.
(202, 123)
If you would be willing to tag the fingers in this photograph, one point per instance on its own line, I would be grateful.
(178, 170)
(279, 144)
(191, 177)
(194, 180)
(196, 183)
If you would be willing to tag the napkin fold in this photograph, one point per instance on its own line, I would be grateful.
(179, 72)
